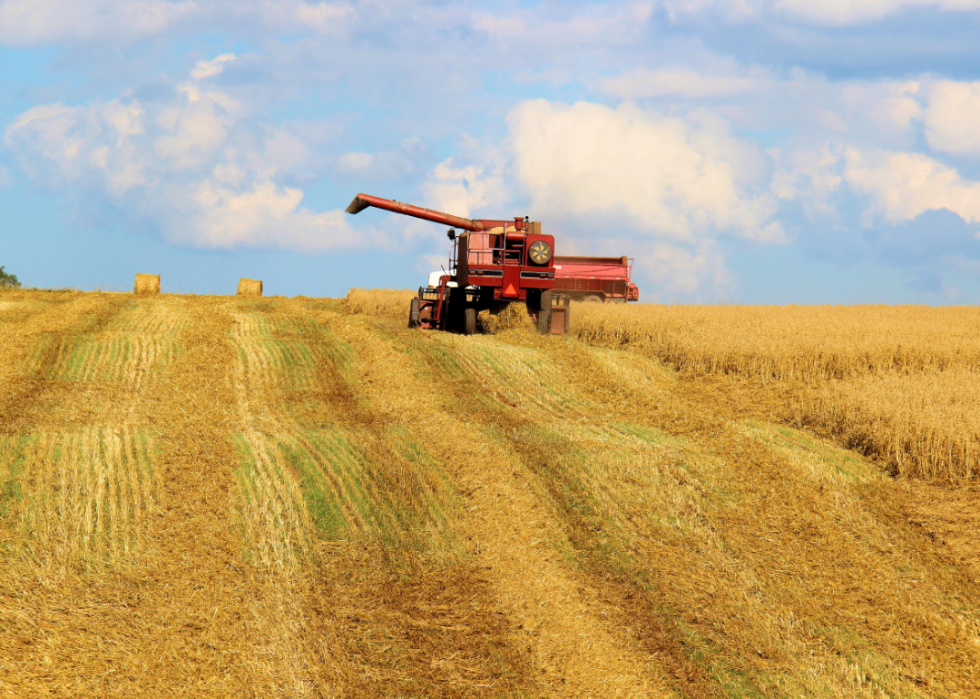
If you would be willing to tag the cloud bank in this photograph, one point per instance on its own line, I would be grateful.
(198, 166)
(687, 133)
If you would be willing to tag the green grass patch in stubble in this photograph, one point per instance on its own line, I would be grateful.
(138, 457)
(446, 362)
(111, 541)
(297, 327)
(320, 497)
(800, 445)
(340, 356)
(294, 363)
(863, 671)
(104, 356)
(311, 344)
(523, 374)
(597, 508)
(13, 451)
(684, 456)
(263, 305)
(40, 354)
(400, 496)
(147, 452)
(456, 365)
(74, 352)
(324, 304)
(247, 475)
(126, 316)
(428, 517)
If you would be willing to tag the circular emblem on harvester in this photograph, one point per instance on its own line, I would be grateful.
(539, 252)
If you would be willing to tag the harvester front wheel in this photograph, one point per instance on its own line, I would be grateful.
(544, 314)
(469, 321)
(414, 314)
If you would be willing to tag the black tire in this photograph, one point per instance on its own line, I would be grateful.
(449, 320)
(469, 321)
(544, 315)
(414, 315)
(592, 298)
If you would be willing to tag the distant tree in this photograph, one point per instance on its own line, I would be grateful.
(8, 281)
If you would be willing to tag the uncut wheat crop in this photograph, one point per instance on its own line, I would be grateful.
(789, 342)
(899, 383)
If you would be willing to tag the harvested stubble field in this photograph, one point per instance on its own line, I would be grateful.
(221, 496)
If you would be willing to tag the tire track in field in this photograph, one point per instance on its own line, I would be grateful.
(230, 628)
(403, 624)
(28, 350)
(829, 533)
(87, 495)
(591, 402)
(512, 534)
(136, 346)
(186, 615)
(85, 481)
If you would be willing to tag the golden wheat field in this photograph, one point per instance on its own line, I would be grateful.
(267, 497)
(900, 384)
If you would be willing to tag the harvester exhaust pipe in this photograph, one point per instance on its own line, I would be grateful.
(363, 201)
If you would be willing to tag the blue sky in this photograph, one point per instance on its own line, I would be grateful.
(751, 151)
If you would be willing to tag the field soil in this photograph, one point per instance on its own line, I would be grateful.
(269, 497)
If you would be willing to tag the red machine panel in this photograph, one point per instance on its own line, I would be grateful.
(595, 278)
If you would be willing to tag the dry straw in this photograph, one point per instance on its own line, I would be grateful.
(147, 284)
(586, 524)
(510, 317)
(249, 287)
(386, 303)
(898, 383)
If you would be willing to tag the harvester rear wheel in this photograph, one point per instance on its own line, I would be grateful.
(414, 314)
(592, 298)
(544, 314)
(469, 321)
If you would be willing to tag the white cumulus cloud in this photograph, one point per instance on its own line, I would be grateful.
(554, 25)
(904, 185)
(29, 22)
(683, 272)
(849, 12)
(951, 118)
(34, 22)
(631, 181)
(462, 189)
(198, 166)
(216, 66)
(820, 13)
(677, 179)
(388, 165)
(681, 82)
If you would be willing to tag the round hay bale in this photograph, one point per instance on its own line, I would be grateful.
(147, 284)
(249, 287)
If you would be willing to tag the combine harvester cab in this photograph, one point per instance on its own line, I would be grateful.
(492, 263)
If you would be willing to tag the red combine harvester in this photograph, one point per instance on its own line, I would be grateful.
(595, 279)
(492, 263)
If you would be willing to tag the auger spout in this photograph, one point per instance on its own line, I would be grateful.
(363, 201)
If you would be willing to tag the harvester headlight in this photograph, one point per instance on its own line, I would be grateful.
(539, 252)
